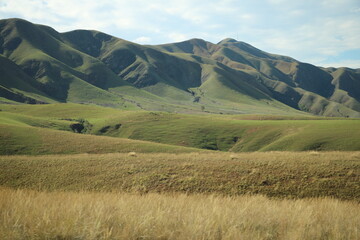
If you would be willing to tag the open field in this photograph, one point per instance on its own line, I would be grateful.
(275, 174)
(236, 133)
(35, 141)
(67, 215)
(174, 186)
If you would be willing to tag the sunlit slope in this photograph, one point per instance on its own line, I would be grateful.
(214, 132)
(16, 139)
(217, 133)
(197, 83)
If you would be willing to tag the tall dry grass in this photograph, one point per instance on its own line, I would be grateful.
(26, 214)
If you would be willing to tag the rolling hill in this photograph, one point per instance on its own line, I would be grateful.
(40, 65)
(55, 128)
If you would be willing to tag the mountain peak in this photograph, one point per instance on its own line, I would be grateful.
(227, 40)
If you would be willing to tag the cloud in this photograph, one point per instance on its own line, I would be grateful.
(142, 40)
(177, 37)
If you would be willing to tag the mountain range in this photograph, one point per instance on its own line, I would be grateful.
(39, 65)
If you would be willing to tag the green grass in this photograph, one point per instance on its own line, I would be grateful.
(26, 120)
(275, 174)
(237, 133)
(218, 133)
(17, 139)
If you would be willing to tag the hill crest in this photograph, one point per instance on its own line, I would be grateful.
(193, 76)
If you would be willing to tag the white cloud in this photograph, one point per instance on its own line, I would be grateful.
(248, 17)
(142, 40)
(177, 37)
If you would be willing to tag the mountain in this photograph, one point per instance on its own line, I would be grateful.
(40, 65)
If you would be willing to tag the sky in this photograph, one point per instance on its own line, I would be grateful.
(321, 32)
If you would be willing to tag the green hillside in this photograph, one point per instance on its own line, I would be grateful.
(60, 71)
(41, 65)
(18, 86)
(177, 78)
(26, 125)
(25, 134)
(284, 78)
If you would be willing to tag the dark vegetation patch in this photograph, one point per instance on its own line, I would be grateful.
(317, 146)
(107, 129)
(104, 129)
(77, 127)
(82, 125)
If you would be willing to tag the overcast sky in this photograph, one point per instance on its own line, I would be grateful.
(321, 32)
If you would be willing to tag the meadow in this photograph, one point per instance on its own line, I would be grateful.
(27, 214)
(154, 175)
(235, 133)
(275, 174)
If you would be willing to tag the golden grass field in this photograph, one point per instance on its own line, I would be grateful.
(27, 214)
(209, 195)
(275, 174)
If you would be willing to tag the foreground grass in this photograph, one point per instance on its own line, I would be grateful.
(275, 174)
(28, 214)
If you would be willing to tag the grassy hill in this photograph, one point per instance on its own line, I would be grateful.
(41, 65)
(177, 78)
(285, 79)
(16, 85)
(235, 133)
(33, 130)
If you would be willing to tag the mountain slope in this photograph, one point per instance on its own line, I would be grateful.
(176, 77)
(59, 70)
(18, 86)
(299, 85)
(85, 66)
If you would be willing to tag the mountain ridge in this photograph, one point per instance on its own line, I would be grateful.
(193, 76)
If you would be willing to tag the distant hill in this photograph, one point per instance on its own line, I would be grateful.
(40, 65)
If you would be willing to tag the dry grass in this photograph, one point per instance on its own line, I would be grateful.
(275, 174)
(29, 214)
